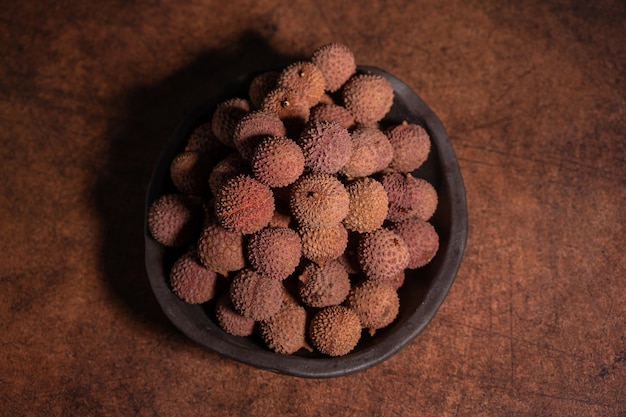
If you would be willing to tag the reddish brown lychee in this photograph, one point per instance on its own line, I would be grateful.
(190, 170)
(335, 330)
(318, 201)
(382, 254)
(371, 152)
(411, 146)
(174, 220)
(327, 146)
(253, 128)
(260, 86)
(230, 320)
(285, 331)
(421, 238)
(254, 295)
(191, 281)
(321, 245)
(376, 303)
(336, 61)
(244, 205)
(323, 285)
(226, 116)
(274, 251)
(277, 161)
(368, 97)
(221, 250)
(332, 113)
(305, 78)
(368, 205)
(229, 167)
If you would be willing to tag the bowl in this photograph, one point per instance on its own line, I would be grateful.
(421, 295)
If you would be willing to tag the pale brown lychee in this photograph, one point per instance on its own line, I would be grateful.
(190, 170)
(254, 295)
(277, 161)
(375, 303)
(305, 78)
(274, 251)
(368, 205)
(421, 238)
(323, 285)
(226, 116)
(174, 220)
(289, 106)
(371, 152)
(244, 205)
(326, 145)
(382, 254)
(411, 146)
(335, 330)
(230, 320)
(321, 245)
(336, 61)
(318, 201)
(260, 86)
(285, 331)
(221, 250)
(332, 113)
(368, 97)
(253, 128)
(191, 281)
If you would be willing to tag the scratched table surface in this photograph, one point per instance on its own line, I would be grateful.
(532, 94)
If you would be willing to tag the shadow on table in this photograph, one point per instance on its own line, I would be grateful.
(148, 116)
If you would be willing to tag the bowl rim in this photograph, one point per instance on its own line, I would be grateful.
(213, 338)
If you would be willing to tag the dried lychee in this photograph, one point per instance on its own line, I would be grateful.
(382, 254)
(174, 220)
(335, 330)
(305, 78)
(254, 295)
(191, 281)
(411, 145)
(326, 145)
(244, 205)
(274, 251)
(226, 116)
(409, 196)
(376, 304)
(368, 205)
(285, 331)
(336, 61)
(323, 285)
(277, 161)
(230, 320)
(368, 97)
(318, 201)
(253, 128)
(290, 107)
(229, 167)
(421, 239)
(221, 250)
(371, 152)
(321, 245)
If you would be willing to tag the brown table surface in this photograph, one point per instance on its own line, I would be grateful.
(533, 97)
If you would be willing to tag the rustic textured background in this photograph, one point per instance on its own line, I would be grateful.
(533, 96)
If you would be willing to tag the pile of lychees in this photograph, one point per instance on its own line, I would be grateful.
(297, 210)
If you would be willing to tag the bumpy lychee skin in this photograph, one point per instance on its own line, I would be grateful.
(409, 196)
(290, 107)
(253, 128)
(285, 331)
(174, 220)
(321, 245)
(305, 78)
(191, 281)
(226, 116)
(202, 139)
(382, 254)
(318, 201)
(411, 146)
(244, 205)
(229, 167)
(332, 113)
(277, 161)
(254, 295)
(189, 171)
(421, 238)
(230, 320)
(323, 286)
(327, 146)
(371, 152)
(335, 330)
(221, 250)
(275, 251)
(368, 205)
(376, 304)
(260, 86)
(336, 61)
(368, 97)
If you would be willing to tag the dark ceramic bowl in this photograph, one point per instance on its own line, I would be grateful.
(420, 297)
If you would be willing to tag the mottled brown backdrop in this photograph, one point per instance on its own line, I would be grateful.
(533, 95)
